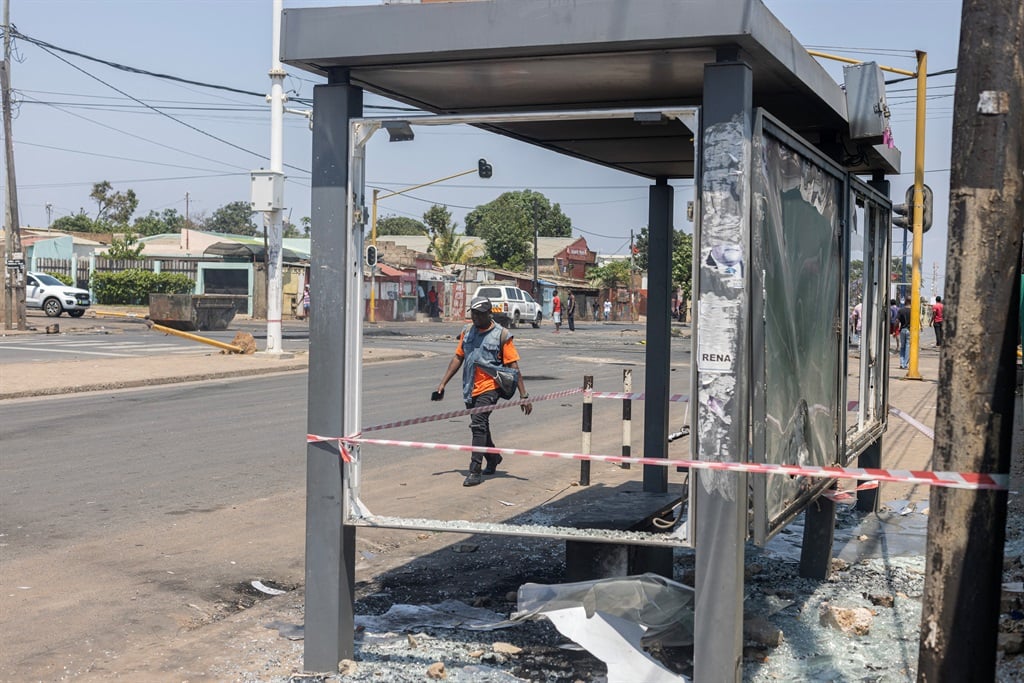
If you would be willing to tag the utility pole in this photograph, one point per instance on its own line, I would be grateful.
(974, 419)
(918, 217)
(272, 203)
(14, 259)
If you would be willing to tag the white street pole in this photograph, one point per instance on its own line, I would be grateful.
(274, 259)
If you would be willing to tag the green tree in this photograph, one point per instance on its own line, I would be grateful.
(78, 222)
(610, 275)
(682, 263)
(682, 258)
(508, 223)
(115, 207)
(234, 218)
(289, 229)
(438, 220)
(449, 248)
(126, 249)
(524, 210)
(153, 223)
(400, 225)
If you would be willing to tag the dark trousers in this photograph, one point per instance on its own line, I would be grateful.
(572, 322)
(480, 425)
(938, 333)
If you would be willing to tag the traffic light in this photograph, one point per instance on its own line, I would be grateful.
(904, 217)
(484, 168)
(371, 256)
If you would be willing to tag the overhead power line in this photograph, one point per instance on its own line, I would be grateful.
(145, 72)
(163, 113)
(130, 69)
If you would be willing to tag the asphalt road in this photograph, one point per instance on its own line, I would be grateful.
(128, 516)
(75, 467)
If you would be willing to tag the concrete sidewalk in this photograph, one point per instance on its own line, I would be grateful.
(51, 378)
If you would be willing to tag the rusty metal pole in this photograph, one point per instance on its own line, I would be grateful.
(974, 419)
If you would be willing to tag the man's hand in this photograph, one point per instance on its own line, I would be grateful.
(437, 395)
(527, 407)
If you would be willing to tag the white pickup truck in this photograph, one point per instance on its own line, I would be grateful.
(510, 305)
(54, 297)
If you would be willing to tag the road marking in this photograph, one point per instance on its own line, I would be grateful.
(78, 351)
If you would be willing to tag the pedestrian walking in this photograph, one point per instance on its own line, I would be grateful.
(903, 320)
(570, 311)
(305, 302)
(483, 347)
(894, 326)
(556, 312)
(607, 309)
(938, 311)
(432, 302)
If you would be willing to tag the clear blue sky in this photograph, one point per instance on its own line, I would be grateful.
(73, 130)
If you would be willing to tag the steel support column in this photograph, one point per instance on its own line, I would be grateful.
(330, 545)
(721, 373)
(658, 368)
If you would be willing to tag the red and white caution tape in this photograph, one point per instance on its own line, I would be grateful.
(924, 429)
(346, 456)
(680, 398)
(957, 480)
(471, 411)
(845, 497)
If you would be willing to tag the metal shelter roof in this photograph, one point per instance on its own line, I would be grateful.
(528, 55)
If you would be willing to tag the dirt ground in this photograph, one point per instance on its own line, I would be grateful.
(161, 609)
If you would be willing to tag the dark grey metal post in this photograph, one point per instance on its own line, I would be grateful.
(656, 375)
(819, 536)
(721, 376)
(659, 335)
(330, 546)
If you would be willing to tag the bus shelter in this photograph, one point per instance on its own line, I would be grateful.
(792, 228)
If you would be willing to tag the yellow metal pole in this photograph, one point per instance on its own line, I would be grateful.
(918, 212)
(195, 337)
(848, 60)
(373, 268)
(915, 277)
(119, 314)
(170, 330)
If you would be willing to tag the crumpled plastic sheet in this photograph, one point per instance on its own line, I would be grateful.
(663, 607)
(615, 618)
(448, 614)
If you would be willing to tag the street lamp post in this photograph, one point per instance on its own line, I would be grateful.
(483, 169)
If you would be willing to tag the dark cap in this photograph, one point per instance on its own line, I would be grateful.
(480, 303)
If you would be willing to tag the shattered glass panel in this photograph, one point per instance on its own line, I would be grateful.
(800, 213)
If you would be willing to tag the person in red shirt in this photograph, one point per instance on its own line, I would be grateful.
(556, 312)
(937, 318)
(432, 302)
(483, 345)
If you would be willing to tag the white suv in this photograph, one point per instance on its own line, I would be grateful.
(510, 305)
(54, 297)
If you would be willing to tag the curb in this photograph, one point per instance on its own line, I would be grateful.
(297, 365)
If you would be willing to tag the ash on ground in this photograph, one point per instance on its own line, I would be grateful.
(861, 624)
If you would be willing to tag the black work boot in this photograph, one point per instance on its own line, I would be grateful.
(492, 465)
(474, 477)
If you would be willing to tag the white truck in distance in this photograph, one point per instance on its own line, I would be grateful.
(54, 297)
(510, 305)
